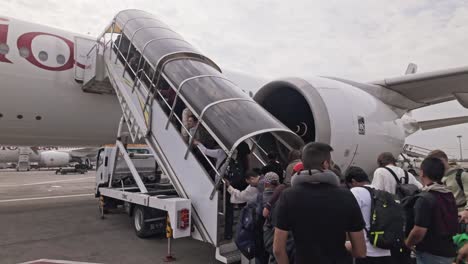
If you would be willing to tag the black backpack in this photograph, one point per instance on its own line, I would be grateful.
(235, 174)
(246, 234)
(387, 223)
(403, 188)
(458, 178)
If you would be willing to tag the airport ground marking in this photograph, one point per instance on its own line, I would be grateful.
(54, 261)
(46, 182)
(46, 197)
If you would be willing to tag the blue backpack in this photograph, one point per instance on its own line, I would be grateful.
(246, 231)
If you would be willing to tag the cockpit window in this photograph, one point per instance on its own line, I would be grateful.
(4, 49)
(24, 52)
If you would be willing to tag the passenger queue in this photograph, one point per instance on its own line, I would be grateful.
(311, 215)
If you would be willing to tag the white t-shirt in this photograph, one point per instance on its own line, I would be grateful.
(217, 154)
(384, 180)
(363, 198)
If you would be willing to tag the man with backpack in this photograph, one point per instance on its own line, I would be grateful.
(249, 239)
(318, 213)
(249, 194)
(387, 220)
(236, 170)
(456, 180)
(435, 218)
(388, 177)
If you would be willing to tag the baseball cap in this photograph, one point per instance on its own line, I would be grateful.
(298, 167)
(271, 177)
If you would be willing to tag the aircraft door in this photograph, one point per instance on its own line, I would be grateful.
(85, 59)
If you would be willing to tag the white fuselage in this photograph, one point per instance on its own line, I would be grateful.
(42, 104)
(68, 116)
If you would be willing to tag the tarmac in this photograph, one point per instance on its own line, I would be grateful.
(56, 217)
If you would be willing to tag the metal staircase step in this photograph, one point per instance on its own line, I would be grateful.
(100, 87)
(228, 253)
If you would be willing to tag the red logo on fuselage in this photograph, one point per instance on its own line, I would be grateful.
(25, 41)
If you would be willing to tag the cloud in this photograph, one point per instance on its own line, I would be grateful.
(361, 40)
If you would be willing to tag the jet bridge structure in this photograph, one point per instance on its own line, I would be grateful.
(156, 74)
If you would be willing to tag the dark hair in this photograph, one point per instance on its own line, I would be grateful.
(385, 159)
(243, 151)
(438, 154)
(357, 174)
(315, 154)
(294, 155)
(272, 155)
(257, 170)
(433, 168)
(250, 174)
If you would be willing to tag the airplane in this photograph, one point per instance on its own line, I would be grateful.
(42, 101)
(47, 157)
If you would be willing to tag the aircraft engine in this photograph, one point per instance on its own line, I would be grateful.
(356, 124)
(54, 159)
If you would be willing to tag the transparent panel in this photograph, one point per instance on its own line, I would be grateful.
(158, 49)
(233, 120)
(201, 92)
(143, 36)
(134, 25)
(180, 70)
(126, 15)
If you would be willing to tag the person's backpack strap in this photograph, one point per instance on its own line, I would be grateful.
(459, 179)
(393, 174)
(406, 177)
(372, 196)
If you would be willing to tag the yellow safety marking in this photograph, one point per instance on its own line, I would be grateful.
(168, 228)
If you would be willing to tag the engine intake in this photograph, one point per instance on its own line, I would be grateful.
(298, 105)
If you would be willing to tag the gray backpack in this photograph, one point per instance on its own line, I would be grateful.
(403, 188)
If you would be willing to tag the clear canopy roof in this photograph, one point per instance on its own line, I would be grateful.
(222, 106)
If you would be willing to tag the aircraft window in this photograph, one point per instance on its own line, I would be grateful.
(60, 59)
(38, 118)
(1, 115)
(4, 49)
(43, 56)
(19, 116)
(24, 52)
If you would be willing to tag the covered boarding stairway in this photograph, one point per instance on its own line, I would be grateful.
(156, 75)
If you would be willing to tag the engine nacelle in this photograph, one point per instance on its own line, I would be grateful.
(356, 124)
(54, 159)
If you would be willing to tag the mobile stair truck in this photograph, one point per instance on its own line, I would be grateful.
(155, 74)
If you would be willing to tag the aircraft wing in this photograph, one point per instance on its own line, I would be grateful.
(423, 89)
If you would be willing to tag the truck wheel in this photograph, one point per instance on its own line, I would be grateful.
(142, 229)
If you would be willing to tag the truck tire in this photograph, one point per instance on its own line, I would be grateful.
(142, 229)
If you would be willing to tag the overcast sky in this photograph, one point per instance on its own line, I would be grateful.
(361, 40)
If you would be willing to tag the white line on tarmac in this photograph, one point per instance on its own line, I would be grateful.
(56, 261)
(46, 182)
(46, 197)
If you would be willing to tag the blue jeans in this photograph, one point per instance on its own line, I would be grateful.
(426, 258)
